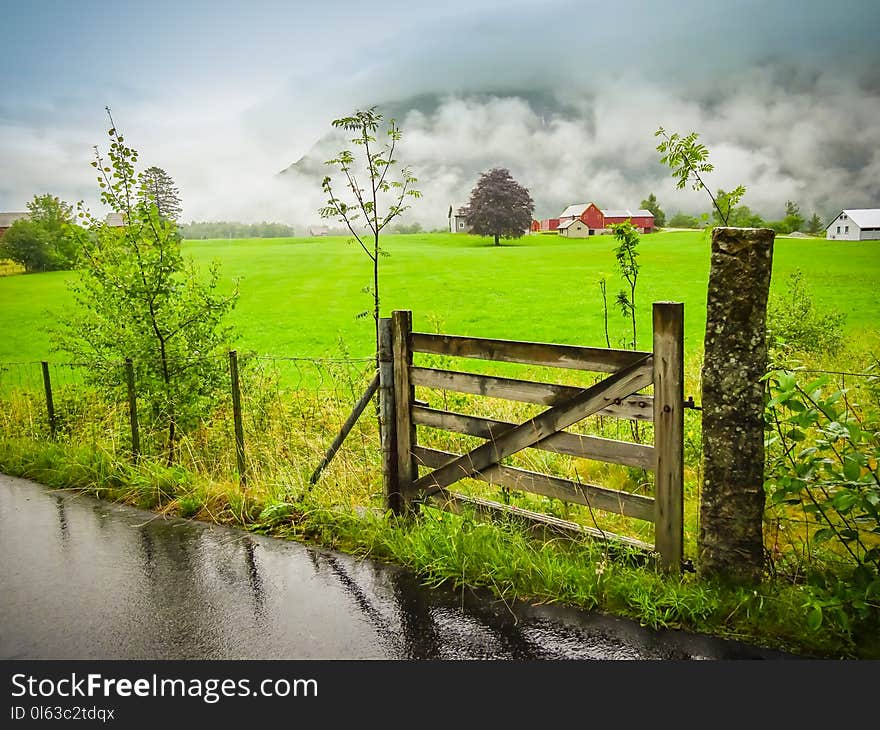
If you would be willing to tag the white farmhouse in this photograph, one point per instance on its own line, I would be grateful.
(861, 224)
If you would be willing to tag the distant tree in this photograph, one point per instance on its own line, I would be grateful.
(794, 221)
(369, 210)
(683, 220)
(26, 244)
(235, 229)
(814, 225)
(414, 227)
(139, 298)
(499, 206)
(157, 186)
(47, 240)
(650, 203)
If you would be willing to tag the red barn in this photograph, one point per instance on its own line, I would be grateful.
(600, 221)
(643, 220)
(550, 224)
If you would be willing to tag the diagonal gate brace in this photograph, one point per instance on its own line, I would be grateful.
(619, 385)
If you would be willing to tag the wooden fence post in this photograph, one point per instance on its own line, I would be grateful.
(405, 430)
(236, 414)
(669, 433)
(387, 417)
(132, 410)
(50, 404)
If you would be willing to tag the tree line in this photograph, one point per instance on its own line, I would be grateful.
(737, 216)
(234, 229)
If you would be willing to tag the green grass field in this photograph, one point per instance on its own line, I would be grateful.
(300, 296)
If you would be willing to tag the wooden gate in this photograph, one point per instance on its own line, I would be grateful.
(617, 395)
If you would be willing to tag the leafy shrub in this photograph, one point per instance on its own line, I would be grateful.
(795, 324)
(822, 464)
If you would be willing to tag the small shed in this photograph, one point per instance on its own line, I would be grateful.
(856, 224)
(575, 229)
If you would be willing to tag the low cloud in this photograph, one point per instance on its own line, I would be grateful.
(817, 144)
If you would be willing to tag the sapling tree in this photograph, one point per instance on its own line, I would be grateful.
(603, 287)
(689, 161)
(139, 298)
(626, 253)
(377, 194)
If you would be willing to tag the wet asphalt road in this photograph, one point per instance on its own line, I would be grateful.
(86, 579)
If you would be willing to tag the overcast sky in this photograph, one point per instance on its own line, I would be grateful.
(225, 94)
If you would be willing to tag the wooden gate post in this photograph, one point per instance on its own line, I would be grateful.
(669, 433)
(387, 417)
(404, 394)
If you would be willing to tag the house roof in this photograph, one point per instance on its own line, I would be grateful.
(7, 219)
(627, 214)
(577, 210)
(574, 210)
(567, 224)
(862, 217)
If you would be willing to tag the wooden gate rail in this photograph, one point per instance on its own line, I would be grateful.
(536, 521)
(636, 408)
(594, 359)
(617, 395)
(589, 495)
(562, 442)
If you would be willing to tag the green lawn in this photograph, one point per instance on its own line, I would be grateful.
(300, 296)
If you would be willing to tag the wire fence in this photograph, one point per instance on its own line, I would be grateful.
(289, 410)
(286, 410)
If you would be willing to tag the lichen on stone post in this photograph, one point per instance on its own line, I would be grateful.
(731, 546)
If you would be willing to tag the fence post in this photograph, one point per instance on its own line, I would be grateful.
(132, 410)
(387, 417)
(236, 414)
(731, 540)
(407, 469)
(669, 434)
(50, 405)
